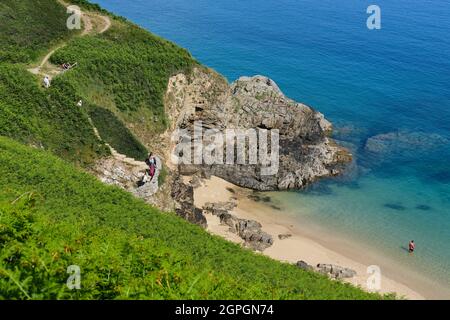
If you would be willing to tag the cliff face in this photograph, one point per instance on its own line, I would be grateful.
(205, 99)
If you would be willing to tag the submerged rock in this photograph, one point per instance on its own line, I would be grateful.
(402, 141)
(423, 207)
(395, 206)
(284, 236)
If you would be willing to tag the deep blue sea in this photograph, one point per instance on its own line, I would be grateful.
(393, 81)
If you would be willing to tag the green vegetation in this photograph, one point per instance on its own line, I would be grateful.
(53, 216)
(113, 131)
(46, 118)
(125, 70)
(86, 5)
(25, 33)
(162, 176)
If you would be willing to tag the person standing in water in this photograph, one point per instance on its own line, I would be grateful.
(411, 246)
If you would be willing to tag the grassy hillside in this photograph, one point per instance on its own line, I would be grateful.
(53, 216)
(49, 118)
(45, 118)
(126, 70)
(29, 27)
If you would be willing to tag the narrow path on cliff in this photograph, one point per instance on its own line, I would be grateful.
(93, 24)
(150, 187)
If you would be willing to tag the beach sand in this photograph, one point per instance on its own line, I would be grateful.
(302, 245)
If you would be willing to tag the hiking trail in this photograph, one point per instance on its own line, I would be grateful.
(125, 171)
(116, 167)
(94, 23)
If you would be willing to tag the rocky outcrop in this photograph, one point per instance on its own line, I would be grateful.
(126, 173)
(248, 230)
(305, 154)
(183, 196)
(335, 271)
(219, 206)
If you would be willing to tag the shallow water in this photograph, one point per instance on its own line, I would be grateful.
(366, 82)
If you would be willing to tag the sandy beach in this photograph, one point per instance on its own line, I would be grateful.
(301, 245)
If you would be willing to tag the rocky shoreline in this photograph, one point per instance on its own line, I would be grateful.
(306, 152)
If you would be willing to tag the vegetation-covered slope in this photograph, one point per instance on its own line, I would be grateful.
(29, 27)
(53, 216)
(45, 118)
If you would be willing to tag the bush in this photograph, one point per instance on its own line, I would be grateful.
(113, 131)
(46, 118)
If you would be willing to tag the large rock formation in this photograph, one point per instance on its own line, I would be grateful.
(305, 154)
(183, 195)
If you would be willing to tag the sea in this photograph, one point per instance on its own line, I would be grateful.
(386, 90)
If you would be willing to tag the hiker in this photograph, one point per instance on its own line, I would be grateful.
(80, 103)
(152, 170)
(411, 246)
(66, 66)
(47, 82)
(151, 162)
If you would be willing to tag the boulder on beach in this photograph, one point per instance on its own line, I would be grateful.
(336, 271)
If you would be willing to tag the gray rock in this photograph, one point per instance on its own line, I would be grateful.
(183, 196)
(216, 208)
(336, 271)
(248, 230)
(303, 265)
(402, 141)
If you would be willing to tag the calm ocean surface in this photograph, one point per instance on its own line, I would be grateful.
(367, 83)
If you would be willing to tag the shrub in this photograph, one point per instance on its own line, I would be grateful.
(46, 118)
(25, 34)
(53, 216)
(113, 131)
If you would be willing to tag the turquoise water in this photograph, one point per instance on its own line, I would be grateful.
(366, 82)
